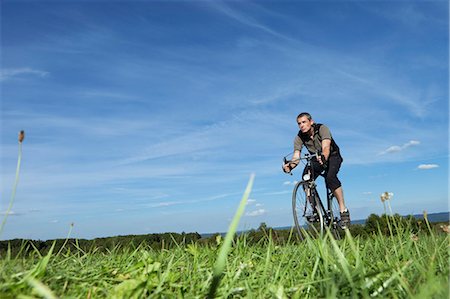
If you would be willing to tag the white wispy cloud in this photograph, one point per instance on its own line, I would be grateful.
(246, 19)
(17, 72)
(427, 166)
(193, 201)
(282, 92)
(167, 204)
(279, 192)
(409, 14)
(189, 143)
(10, 213)
(289, 183)
(102, 94)
(254, 202)
(96, 126)
(255, 213)
(382, 84)
(399, 148)
(251, 201)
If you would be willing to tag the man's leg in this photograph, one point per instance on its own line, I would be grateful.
(335, 185)
(339, 194)
(334, 164)
(344, 213)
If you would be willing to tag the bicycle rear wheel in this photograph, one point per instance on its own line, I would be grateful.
(304, 208)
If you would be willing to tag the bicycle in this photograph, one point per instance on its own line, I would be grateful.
(307, 207)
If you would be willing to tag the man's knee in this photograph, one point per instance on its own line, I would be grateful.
(333, 183)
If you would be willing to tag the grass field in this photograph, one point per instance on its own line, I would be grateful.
(403, 265)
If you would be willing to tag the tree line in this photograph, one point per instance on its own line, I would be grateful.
(374, 225)
(155, 241)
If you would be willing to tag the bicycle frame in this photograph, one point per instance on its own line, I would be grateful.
(327, 212)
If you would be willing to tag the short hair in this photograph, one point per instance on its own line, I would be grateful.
(308, 116)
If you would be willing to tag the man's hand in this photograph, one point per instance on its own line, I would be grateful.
(288, 166)
(322, 161)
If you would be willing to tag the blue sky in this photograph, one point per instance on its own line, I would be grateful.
(145, 117)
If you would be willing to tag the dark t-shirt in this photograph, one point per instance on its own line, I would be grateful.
(315, 144)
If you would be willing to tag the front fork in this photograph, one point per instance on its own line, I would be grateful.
(331, 218)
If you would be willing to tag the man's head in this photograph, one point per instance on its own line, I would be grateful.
(305, 122)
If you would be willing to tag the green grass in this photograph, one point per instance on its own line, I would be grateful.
(380, 266)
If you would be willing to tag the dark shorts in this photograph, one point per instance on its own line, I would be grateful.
(331, 179)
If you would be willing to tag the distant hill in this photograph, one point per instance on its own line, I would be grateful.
(436, 217)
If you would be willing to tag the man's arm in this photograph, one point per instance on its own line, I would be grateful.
(326, 145)
(325, 133)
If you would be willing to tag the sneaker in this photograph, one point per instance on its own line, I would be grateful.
(345, 219)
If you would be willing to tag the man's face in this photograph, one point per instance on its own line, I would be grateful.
(304, 124)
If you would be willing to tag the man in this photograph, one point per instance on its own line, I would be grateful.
(317, 138)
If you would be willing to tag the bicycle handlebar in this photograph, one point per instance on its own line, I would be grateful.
(308, 157)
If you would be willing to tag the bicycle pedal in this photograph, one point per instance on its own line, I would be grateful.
(312, 218)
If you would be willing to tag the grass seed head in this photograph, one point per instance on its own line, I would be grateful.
(21, 136)
(386, 196)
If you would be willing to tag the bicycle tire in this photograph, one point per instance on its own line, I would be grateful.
(320, 230)
(302, 208)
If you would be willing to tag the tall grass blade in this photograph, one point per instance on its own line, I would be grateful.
(226, 246)
(41, 288)
(66, 240)
(16, 181)
(40, 268)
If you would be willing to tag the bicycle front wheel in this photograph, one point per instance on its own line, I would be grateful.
(304, 208)
(334, 220)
